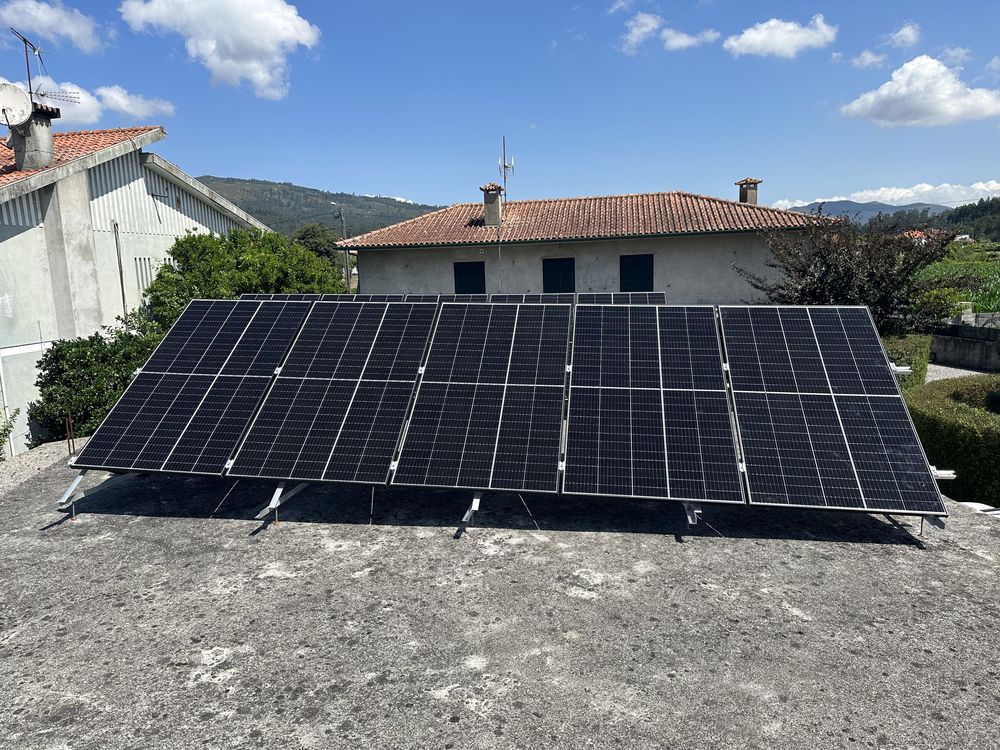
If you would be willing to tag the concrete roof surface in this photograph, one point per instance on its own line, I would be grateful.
(165, 617)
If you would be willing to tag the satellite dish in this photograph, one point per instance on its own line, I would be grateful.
(15, 105)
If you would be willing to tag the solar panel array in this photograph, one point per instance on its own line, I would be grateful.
(622, 298)
(805, 412)
(488, 413)
(338, 405)
(648, 410)
(187, 409)
(820, 415)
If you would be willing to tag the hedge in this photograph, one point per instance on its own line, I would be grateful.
(913, 350)
(959, 431)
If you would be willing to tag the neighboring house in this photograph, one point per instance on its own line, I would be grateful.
(86, 219)
(680, 243)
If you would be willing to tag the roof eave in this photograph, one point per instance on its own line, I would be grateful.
(179, 177)
(52, 175)
(558, 240)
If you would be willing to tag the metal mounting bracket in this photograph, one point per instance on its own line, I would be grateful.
(900, 369)
(467, 518)
(279, 497)
(693, 511)
(942, 473)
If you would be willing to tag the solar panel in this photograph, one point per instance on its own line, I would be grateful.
(363, 297)
(622, 298)
(422, 297)
(648, 411)
(820, 416)
(336, 409)
(188, 407)
(296, 297)
(554, 298)
(488, 411)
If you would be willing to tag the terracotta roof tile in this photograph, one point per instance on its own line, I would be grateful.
(68, 146)
(604, 217)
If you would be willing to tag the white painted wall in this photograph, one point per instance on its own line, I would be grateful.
(690, 270)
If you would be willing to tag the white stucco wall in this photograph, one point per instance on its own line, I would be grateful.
(690, 270)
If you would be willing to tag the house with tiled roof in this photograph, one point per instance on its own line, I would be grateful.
(679, 243)
(86, 219)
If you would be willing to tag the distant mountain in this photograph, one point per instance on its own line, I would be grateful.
(285, 207)
(862, 212)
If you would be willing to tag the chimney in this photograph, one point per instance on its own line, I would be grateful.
(748, 190)
(32, 142)
(493, 202)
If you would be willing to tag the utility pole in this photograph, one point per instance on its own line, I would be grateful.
(347, 252)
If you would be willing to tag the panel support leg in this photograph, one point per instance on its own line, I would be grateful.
(693, 511)
(279, 497)
(73, 493)
(467, 518)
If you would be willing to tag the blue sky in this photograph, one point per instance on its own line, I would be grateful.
(869, 100)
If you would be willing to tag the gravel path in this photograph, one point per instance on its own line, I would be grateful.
(941, 372)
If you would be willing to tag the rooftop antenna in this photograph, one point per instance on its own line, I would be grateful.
(506, 167)
(28, 45)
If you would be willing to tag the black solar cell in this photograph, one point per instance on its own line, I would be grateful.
(216, 427)
(648, 415)
(488, 413)
(804, 446)
(337, 408)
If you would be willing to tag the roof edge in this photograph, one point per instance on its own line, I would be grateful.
(559, 240)
(178, 176)
(51, 175)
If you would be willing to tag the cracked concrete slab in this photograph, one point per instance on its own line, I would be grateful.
(166, 617)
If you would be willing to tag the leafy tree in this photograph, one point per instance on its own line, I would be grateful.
(213, 267)
(320, 239)
(835, 262)
(84, 377)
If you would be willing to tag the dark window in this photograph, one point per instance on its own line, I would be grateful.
(470, 277)
(636, 272)
(558, 275)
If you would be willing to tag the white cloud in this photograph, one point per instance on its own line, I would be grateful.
(237, 40)
(924, 91)
(779, 38)
(868, 59)
(638, 29)
(134, 105)
(90, 106)
(675, 40)
(53, 21)
(618, 5)
(955, 56)
(905, 36)
(993, 66)
(836, 57)
(945, 194)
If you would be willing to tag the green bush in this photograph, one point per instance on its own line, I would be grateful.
(960, 432)
(84, 377)
(7, 427)
(913, 351)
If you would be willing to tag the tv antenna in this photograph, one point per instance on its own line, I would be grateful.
(29, 46)
(506, 167)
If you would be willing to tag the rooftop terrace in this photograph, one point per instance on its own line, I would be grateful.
(165, 616)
